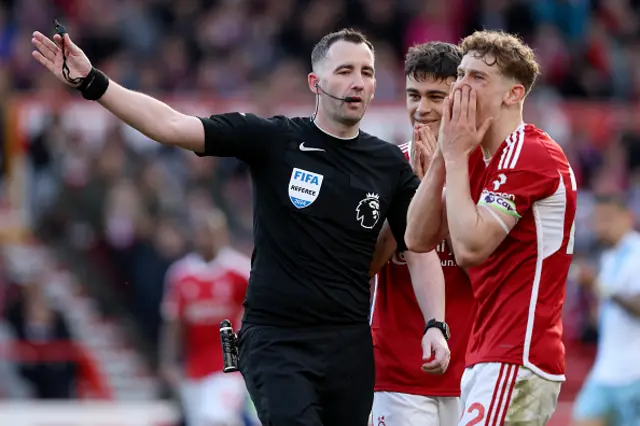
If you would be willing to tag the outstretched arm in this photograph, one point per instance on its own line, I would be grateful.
(150, 116)
(154, 119)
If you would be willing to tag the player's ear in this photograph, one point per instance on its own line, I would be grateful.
(313, 80)
(515, 94)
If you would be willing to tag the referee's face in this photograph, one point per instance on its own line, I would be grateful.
(348, 71)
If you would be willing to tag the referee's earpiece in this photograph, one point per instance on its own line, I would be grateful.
(315, 112)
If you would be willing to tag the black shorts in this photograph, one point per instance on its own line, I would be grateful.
(309, 376)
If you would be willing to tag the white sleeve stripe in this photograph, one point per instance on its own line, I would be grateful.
(512, 146)
(511, 153)
(518, 148)
(498, 218)
(406, 149)
(504, 151)
(572, 177)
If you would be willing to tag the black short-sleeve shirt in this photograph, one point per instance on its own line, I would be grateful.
(319, 204)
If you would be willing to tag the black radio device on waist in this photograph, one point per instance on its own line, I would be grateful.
(229, 347)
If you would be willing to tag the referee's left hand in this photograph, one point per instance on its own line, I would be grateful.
(435, 352)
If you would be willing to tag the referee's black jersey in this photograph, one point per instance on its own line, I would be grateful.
(319, 203)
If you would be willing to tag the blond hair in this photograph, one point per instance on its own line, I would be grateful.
(512, 56)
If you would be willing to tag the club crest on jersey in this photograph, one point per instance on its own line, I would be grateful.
(304, 187)
(368, 211)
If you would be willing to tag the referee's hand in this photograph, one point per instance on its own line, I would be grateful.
(435, 352)
(49, 53)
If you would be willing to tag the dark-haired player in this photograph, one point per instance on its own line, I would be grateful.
(404, 393)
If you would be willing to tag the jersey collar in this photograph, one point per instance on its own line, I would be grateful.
(510, 140)
(334, 136)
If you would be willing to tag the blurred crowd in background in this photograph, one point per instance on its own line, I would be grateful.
(126, 206)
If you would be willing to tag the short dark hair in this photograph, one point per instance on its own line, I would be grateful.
(434, 59)
(350, 35)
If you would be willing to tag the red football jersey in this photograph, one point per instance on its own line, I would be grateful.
(201, 295)
(398, 325)
(520, 288)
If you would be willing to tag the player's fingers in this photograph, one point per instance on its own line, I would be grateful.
(415, 164)
(413, 148)
(73, 48)
(464, 102)
(425, 156)
(433, 367)
(440, 361)
(442, 355)
(44, 61)
(417, 148)
(430, 139)
(456, 109)
(473, 99)
(37, 35)
(418, 167)
(446, 112)
(415, 137)
(423, 134)
(57, 39)
(47, 42)
(46, 47)
(425, 150)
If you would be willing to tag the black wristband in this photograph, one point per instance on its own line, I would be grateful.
(94, 85)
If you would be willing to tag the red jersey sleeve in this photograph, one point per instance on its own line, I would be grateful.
(521, 174)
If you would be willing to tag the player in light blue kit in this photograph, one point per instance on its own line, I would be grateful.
(611, 393)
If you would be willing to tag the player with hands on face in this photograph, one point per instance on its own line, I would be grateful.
(412, 387)
(423, 149)
(460, 134)
(508, 208)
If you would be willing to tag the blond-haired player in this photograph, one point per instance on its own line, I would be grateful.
(508, 208)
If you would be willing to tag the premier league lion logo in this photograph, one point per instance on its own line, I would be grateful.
(368, 211)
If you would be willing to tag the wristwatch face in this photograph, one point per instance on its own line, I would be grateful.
(445, 329)
(442, 326)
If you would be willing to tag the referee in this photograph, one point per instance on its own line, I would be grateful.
(322, 191)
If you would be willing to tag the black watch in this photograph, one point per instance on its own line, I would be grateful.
(440, 325)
